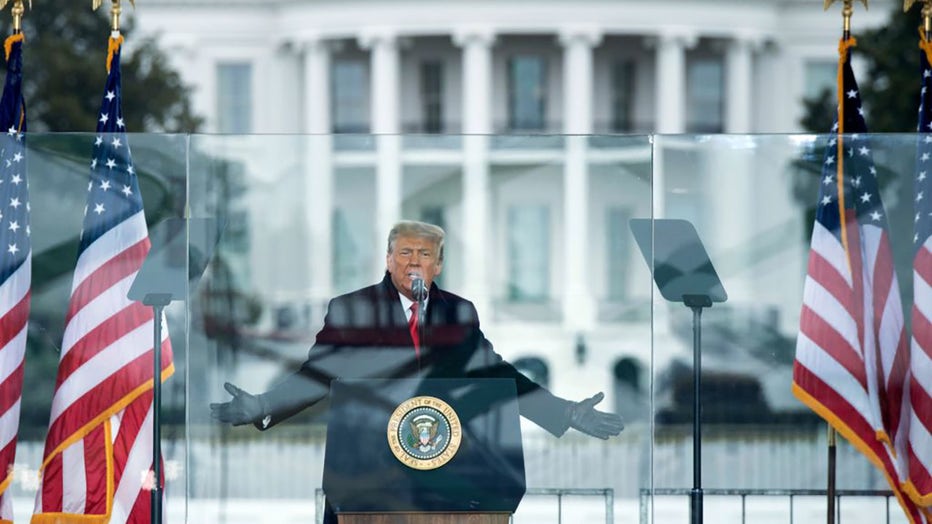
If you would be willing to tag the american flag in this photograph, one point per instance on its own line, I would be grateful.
(919, 444)
(98, 453)
(851, 354)
(15, 264)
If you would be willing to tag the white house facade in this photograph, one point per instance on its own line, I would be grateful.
(479, 110)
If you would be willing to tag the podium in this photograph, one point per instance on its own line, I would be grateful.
(424, 518)
(423, 451)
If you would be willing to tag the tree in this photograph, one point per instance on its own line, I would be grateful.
(890, 94)
(65, 69)
(64, 75)
(890, 89)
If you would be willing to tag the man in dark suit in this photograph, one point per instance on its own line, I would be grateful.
(406, 326)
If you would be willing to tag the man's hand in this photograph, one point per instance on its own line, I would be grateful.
(242, 409)
(584, 417)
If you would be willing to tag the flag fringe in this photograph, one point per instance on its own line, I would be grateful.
(838, 425)
(74, 518)
(6, 484)
(921, 499)
(104, 416)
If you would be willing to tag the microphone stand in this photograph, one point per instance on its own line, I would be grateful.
(421, 319)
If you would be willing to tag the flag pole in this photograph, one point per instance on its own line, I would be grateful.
(926, 16)
(18, 10)
(115, 11)
(846, 41)
(830, 491)
(158, 303)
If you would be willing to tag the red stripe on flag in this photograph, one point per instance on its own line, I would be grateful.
(828, 277)
(106, 275)
(919, 475)
(52, 486)
(842, 416)
(922, 264)
(101, 337)
(7, 455)
(922, 332)
(141, 508)
(133, 417)
(843, 412)
(106, 396)
(922, 405)
(130, 436)
(891, 393)
(832, 343)
(896, 382)
(95, 467)
(856, 299)
(11, 389)
(12, 323)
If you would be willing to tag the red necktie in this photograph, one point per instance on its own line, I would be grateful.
(412, 327)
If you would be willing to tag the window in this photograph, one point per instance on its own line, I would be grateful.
(234, 97)
(528, 253)
(350, 97)
(704, 97)
(527, 94)
(350, 254)
(820, 75)
(433, 215)
(619, 245)
(623, 73)
(432, 96)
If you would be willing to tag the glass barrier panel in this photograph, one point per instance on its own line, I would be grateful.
(83, 197)
(537, 240)
(557, 247)
(752, 201)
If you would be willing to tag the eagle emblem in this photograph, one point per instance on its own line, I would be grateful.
(424, 433)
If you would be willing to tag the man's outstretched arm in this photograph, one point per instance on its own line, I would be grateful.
(243, 408)
(585, 418)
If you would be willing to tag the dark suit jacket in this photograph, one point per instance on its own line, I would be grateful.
(365, 335)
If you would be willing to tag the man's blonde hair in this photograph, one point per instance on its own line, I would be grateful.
(413, 228)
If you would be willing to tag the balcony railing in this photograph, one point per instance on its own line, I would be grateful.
(792, 496)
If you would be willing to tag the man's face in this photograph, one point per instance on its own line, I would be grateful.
(413, 256)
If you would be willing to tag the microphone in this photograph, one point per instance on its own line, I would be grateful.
(418, 288)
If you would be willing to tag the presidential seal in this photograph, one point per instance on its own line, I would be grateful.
(424, 433)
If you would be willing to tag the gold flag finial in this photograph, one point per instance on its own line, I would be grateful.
(115, 11)
(926, 15)
(18, 10)
(846, 12)
(828, 3)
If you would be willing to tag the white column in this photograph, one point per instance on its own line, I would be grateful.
(578, 300)
(577, 45)
(318, 168)
(384, 60)
(316, 87)
(477, 125)
(738, 75)
(477, 78)
(671, 80)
